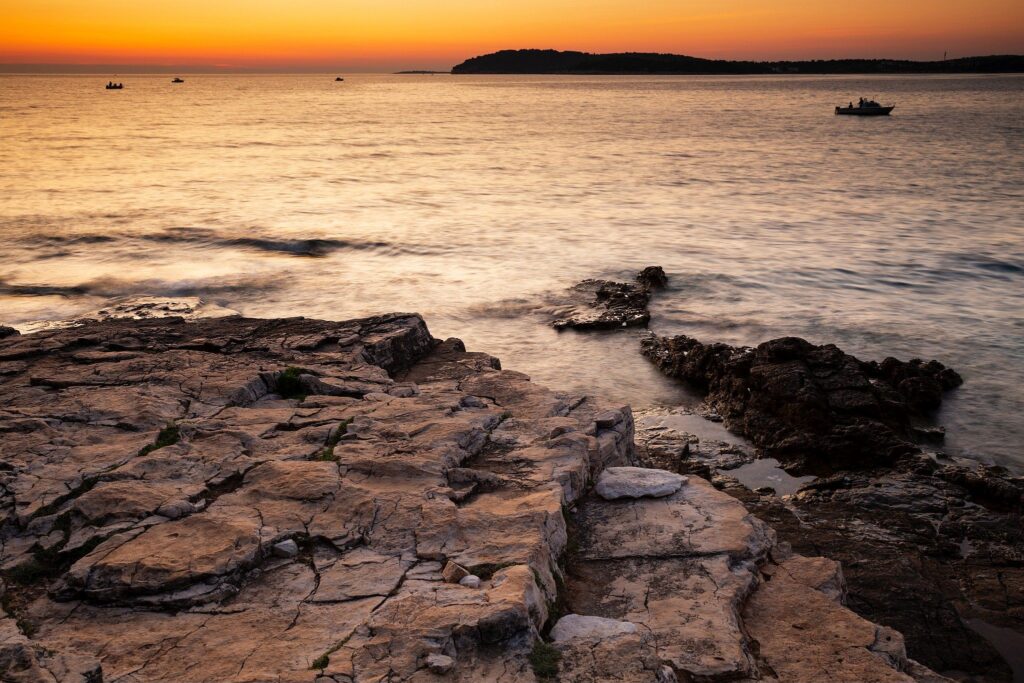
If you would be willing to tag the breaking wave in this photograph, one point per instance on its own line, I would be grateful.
(203, 238)
(115, 287)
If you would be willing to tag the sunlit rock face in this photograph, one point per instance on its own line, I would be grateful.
(247, 500)
(277, 498)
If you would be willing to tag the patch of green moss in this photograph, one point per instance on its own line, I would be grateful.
(321, 662)
(544, 659)
(558, 607)
(289, 385)
(168, 436)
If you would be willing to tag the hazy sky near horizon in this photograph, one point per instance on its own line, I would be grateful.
(389, 34)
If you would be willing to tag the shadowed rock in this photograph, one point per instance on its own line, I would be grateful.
(807, 405)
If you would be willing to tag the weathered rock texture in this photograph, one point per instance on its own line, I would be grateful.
(927, 543)
(604, 305)
(713, 598)
(382, 454)
(237, 500)
(810, 406)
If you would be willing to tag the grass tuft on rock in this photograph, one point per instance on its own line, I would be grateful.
(327, 454)
(321, 662)
(544, 659)
(289, 385)
(168, 436)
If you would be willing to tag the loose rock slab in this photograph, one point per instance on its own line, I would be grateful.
(573, 626)
(637, 482)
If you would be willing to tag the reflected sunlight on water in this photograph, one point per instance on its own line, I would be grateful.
(469, 198)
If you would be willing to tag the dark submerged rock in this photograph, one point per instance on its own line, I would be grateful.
(923, 549)
(605, 305)
(815, 407)
(7, 331)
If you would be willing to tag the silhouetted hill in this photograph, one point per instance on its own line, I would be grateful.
(558, 62)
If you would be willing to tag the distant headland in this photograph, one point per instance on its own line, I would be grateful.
(569, 62)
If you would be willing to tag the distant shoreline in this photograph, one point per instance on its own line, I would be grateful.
(643, 64)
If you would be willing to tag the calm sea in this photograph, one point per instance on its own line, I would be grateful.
(475, 200)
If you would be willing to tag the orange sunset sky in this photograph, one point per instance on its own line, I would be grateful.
(388, 34)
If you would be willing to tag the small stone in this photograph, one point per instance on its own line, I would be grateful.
(637, 482)
(287, 548)
(176, 509)
(573, 626)
(608, 419)
(404, 390)
(440, 664)
(472, 402)
(453, 573)
(470, 581)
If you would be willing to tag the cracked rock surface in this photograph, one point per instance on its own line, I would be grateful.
(250, 501)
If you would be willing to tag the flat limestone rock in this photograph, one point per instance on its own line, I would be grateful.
(637, 482)
(690, 607)
(804, 636)
(696, 520)
(575, 626)
(170, 556)
(245, 500)
(623, 658)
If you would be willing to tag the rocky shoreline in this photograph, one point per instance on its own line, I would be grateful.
(232, 499)
(929, 544)
(933, 545)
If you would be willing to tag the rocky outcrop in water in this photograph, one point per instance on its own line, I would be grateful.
(299, 500)
(605, 305)
(814, 407)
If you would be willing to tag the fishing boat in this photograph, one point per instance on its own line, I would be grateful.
(178, 80)
(115, 86)
(338, 79)
(864, 108)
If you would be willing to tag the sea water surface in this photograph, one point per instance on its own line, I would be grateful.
(472, 199)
